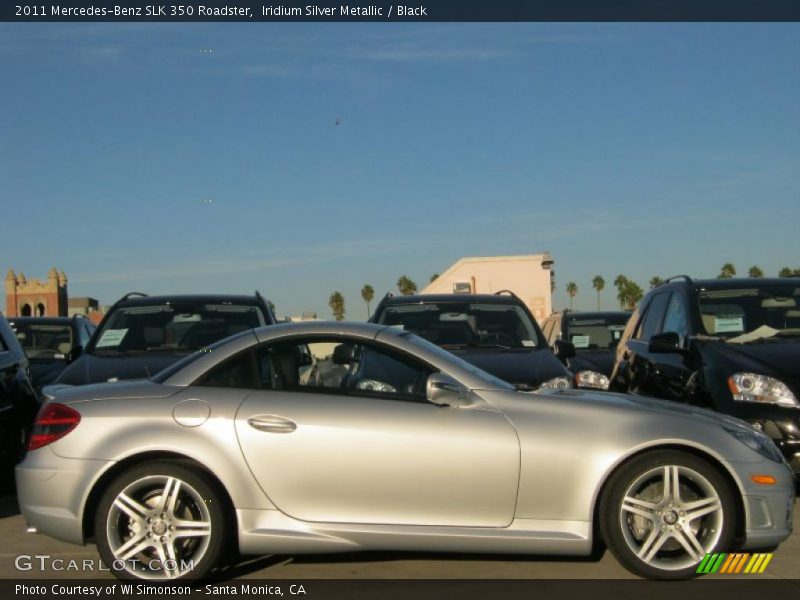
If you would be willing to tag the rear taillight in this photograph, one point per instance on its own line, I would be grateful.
(53, 422)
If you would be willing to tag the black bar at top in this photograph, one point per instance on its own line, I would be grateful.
(421, 10)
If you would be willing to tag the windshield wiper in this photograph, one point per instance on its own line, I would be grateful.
(488, 345)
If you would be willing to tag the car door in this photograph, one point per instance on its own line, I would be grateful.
(641, 363)
(671, 370)
(354, 445)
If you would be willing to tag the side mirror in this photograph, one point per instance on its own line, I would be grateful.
(74, 353)
(344, 354)
(667, 342)
(563, 349)
(443, 390)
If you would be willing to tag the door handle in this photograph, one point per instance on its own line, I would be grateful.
(272, 424)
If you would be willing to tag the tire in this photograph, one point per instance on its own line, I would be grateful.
(665, 536)
(144, 533)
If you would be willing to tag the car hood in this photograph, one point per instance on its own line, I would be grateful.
(518, 367)
(779, 358)
(134, 388)
(601, 361)
(94, 368)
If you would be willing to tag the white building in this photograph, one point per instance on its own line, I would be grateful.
(529, 277)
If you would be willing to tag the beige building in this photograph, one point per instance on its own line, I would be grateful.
(528, 276)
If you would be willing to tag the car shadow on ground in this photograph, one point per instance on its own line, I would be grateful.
(8, 506)
(247, 565)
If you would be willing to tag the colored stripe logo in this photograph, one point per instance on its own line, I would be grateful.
(730, 564)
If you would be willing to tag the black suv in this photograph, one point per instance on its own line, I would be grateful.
(18, 402)
(732, 345)
(595, 336)
(495, 332)
(51, 343)
(141, 335)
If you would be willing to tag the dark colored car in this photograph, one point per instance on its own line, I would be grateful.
(51, 343)
(495, 332)
(141, 335)
(732, 345)
(594, 335)
(18, 402)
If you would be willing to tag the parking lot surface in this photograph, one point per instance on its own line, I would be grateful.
(368, 565)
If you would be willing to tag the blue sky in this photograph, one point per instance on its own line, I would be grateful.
(642, 149)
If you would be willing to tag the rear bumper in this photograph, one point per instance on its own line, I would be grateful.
(52, 492)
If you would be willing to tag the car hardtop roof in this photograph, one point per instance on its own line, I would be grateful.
(46, 320)
(454, 299)
(733, 283)
(191, 298)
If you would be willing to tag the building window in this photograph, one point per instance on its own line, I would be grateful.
(40, 310)
(26, 310)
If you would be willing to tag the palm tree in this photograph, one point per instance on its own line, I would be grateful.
(434, 277)
(727, 271)
(598, 283)
(629, 295)
(655, 281)
(620, 282)
(406, 286)
(755, 271)
(788, 272)
(572, 289)
(336, 302)
(367, 293)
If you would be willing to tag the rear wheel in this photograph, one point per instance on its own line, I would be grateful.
(664, 511)
(159, 521)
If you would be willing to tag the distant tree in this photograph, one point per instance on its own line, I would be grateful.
(727, 271)
(655, 281)
(406, 286)
(620, 281)
(629, 295)
(336, 302)
(434, 277)
(552, 282)
(755, 271)
(572, 289)
(598, 283)
(788, 272)
(367, 293)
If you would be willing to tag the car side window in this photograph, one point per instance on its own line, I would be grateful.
(348, 367)
(675, 319)
(653, 317)
(235, 372)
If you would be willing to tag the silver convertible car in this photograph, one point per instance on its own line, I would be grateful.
(335, 437)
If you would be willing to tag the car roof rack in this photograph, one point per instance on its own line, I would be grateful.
(686, 278)
(131, 294)
(508, 293)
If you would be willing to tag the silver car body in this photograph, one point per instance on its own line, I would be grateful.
(505, 471)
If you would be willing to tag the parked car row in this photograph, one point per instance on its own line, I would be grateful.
(449, 422)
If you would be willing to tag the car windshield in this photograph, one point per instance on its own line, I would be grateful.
(462, 324)
(748, 314)
(596, 332)
(173, 326)
(41, 340)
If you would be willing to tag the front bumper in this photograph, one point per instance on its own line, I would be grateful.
(780, 424)
(767, 508)
(52, 492)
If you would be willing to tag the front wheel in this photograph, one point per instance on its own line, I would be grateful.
(160, 521)
(664, 511)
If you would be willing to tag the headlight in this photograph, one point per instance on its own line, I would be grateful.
(591, 379)
(557, 383)
(752, 387)
(757, 442)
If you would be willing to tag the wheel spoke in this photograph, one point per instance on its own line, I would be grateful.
(169, 496)
(191, 529)
(166, 556)
(672, 484)
(132, 547)
(136, 511)
(690, 543)
(700, 508)
(639, 507)
(652, 544)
